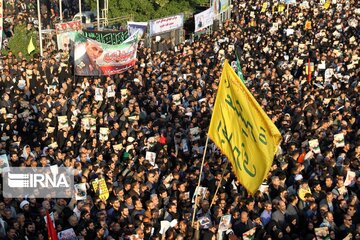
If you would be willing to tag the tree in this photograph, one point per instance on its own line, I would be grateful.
(20, 41)
(145, 10)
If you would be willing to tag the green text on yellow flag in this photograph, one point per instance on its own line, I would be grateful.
(243, 131)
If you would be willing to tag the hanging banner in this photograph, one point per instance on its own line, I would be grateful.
(215, 6)
(204, 19)
(223, 5)
(107, 37)
(166, 24)
(93, 58)
(65, 33)
(137, 26)
(1, 22)
(68, 26)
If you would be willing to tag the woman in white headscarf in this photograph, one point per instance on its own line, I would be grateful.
(27, 152)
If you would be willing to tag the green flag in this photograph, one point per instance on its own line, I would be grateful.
(239, 72)
(31, 46)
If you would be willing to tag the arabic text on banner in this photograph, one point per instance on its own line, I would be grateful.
(166, 24)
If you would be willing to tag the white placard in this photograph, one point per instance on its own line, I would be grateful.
(104, 134)
(110, 91)
(4, 164)
(80, 191)
(339, 140)
(225, 223)
(150, 156)
(67, 234)
(350, 178)
(314, 144)
(99, 94)
(51, 217)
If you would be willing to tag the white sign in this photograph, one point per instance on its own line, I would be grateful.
(314, 144)
(150, 156)
(51, 217)
(350, 178)
(99, 94)
(40, 182)
(4, 163)
(137, 26)
(110, 91)
(204, 19)
(80, 191)
(166, 24)
(339, 140)
(68, 234)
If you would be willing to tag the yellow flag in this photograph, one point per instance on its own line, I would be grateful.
(281, 8)
(31, 46)
(243, 131)
(264, 7)
(327, 4)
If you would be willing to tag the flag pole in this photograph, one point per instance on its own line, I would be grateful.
(287, 10)
(80, 10)
(40, 33)
(198, 185)
(61, 14)
(98, 14)
(217, 188)
(309, 71)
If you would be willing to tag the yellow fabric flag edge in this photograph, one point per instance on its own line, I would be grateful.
(31, 46)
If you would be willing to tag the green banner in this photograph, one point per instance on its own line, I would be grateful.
(107, 37)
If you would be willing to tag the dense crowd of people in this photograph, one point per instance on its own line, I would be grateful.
(164, 105)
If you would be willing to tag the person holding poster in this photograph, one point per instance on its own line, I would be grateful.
(86, 64)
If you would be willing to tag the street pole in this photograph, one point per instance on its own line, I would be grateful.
(61, 14)
(80, 10)
(98, 13)
(287, 10)
(40, 33)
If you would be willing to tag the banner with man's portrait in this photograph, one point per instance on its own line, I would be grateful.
(65, 33)
(93, 58)
(135, 26)
(204, 19)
